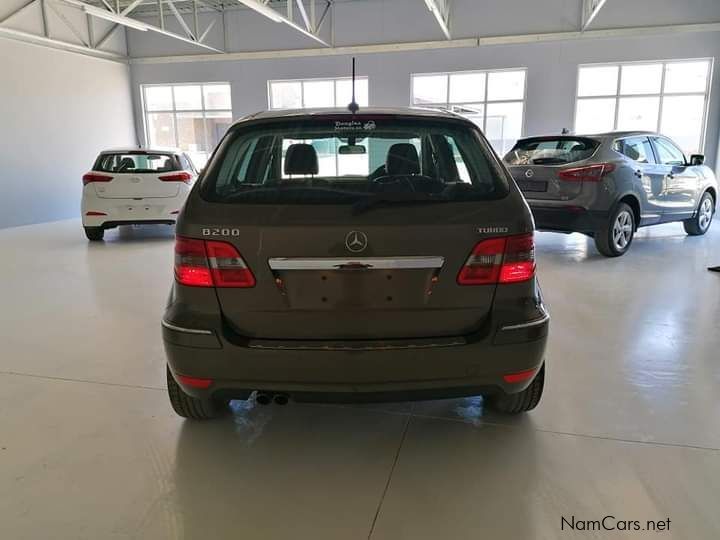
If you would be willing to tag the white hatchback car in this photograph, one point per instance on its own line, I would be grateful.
(135, 186)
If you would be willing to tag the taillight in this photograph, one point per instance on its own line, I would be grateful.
(200, 263)
(591, 173)
(191, 264)
(95, 177)
(519, 261)
(509, 259)
(227, 266)
(176, 177)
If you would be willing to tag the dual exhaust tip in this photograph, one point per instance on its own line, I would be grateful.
(266, 398)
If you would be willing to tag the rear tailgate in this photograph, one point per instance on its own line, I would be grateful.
(137, 185)
(313, 284)
(535, 164)
(542, 182)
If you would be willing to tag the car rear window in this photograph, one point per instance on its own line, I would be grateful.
(337, 160)
(136, 163)
(547, 151)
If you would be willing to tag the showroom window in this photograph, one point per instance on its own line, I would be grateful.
(316, 93)
(192, 117)
(668, 97)
(494, 100)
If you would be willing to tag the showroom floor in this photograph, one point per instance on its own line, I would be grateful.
(89, 447)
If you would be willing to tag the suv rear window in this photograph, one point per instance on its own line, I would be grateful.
(557, 151)
(136, 163)
(339, 160)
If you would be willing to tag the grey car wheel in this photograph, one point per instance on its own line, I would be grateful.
(700, 224)
(615, 237)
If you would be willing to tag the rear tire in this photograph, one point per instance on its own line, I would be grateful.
(700, 224)
(523, 401)
(94, 234)
(614, 238)
(189, 406)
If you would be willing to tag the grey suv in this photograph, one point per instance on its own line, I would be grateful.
(608, 185)
(331, 256)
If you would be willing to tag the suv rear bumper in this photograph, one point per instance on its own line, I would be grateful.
(567, 218)
(361, 371)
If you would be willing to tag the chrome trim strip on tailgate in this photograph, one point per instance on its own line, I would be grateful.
(537, 322)
(369, 263)
(184, 330)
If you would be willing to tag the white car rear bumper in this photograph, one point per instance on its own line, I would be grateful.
(99, 212)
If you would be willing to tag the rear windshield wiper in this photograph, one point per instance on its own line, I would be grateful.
(380, 199)
(290, 192)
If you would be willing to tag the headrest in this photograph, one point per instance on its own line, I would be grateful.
(126, 163)
(631, 152)
(301, 159)
(402, 159)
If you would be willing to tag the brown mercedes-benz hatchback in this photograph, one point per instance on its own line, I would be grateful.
(330, 256)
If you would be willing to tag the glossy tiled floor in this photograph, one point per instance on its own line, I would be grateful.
(89, 448)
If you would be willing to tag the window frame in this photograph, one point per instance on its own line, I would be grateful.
(174, 111)
(648, 139)
(661, 94)
(654, 138)
(447, 105)
(334, 80)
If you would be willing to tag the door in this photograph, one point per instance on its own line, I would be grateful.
(681, 182)
(648, 176)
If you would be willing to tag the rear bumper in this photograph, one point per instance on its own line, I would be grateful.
(107, 213)
(567, 218)
(357, 370)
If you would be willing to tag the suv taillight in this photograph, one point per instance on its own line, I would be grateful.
(209, 263)
(177, 177)
(591, 173)
(90, 177)
(508, 259)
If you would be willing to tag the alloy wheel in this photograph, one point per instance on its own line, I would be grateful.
(706, 214)
(622, 230)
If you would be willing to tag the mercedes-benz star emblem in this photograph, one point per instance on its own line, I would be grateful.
(356, 241)
(529, 173)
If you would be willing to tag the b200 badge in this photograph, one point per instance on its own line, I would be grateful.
(220, 231)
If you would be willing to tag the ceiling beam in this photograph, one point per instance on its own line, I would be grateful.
(28, 3)
(263, 9)
(590, 10)
(67, 22)
(135, 24)
(27, 37)
(642, 31)
(441, 11)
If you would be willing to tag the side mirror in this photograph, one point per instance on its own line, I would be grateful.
(697, 159)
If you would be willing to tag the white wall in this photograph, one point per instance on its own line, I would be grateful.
(57, 111)
(552, 67)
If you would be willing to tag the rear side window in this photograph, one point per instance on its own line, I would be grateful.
(551, 151)
(136, 163)
(333, 161)
(185, 163)
(636, 148)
